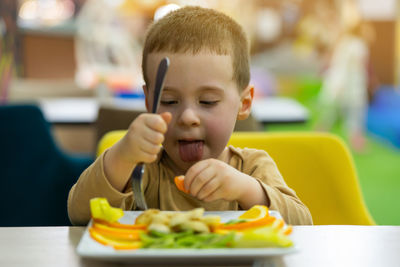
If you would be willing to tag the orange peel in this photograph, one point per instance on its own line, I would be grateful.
(115, 243)
(116, 233)
(254, 213)
(179, 182)
(120, 225)
(267, 220)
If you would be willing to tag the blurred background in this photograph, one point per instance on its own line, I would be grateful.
(317, 65)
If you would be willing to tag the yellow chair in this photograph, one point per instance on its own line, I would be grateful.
(108, 140)
(318, 166)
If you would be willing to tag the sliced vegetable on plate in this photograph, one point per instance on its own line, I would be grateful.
(101, 209)
(186, 229)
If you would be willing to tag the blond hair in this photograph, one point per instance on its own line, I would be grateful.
(193, 29)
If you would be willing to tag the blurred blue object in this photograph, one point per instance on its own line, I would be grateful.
(384, 115)
(35, 175)
(130, 94)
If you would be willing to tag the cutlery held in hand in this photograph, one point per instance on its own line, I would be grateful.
(137, 172)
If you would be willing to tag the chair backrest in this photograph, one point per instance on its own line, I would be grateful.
(318, 166)
(113, 118)
(108, 140)
(35, 175)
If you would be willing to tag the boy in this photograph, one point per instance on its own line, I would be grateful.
(206, 90)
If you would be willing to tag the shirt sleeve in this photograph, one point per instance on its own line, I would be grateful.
(93, 183)
(261, 166)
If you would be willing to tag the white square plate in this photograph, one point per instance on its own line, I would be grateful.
(89, 248)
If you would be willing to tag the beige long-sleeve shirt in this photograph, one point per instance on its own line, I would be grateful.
(161, 192)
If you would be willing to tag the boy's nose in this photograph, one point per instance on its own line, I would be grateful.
(189, 117)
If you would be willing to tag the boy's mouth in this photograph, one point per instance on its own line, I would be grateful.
(191, 150)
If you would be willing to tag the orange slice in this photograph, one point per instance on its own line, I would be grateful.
(116, 233)
(278, 224)
(268, 220)
(287, 230)
(115, 243)
(255, 213)
(120, 225)
(179, 182)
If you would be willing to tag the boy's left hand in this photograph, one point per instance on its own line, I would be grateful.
(212, 179)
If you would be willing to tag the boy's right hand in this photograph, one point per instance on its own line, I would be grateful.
(142, 141)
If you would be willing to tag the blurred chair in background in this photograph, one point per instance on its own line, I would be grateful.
(113, 118)
(108, 140)
(318, 166)
(36, 175)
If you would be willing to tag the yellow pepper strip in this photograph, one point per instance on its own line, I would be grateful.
(278, 224)
(288, 230)
(115, 243)
(221, 231)
(120, 225)
(262, 237)
(115, 233)
(250, 224)
(101, 209)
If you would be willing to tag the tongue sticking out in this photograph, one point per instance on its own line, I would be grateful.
(191, 150)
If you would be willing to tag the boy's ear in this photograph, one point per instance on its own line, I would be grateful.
(146, 96)
(246, 99)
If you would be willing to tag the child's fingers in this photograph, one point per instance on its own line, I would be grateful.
(152, 136)
(149, 147)
(208, 189)
(193, 172)
(139, 133)
(212, 196)
(200, 180)
(167, 116)
(156, 122)
(148, 157)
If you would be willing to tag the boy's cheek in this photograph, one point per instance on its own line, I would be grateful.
(219, 130)
(222, 122)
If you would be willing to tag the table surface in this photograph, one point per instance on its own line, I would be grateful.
(84, 110)
(317, 246)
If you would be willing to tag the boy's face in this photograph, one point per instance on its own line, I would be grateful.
(203, 98)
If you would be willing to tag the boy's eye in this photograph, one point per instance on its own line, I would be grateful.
(210, 103)
(168, 102)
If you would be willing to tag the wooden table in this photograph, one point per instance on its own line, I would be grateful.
(318, 246)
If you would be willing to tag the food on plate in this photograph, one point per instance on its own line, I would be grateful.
(256, 212)
(189, 229)
(115, 242)
(101, 209)
(120, 225)
(193, 220)
(179, 183)
(262, 237)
